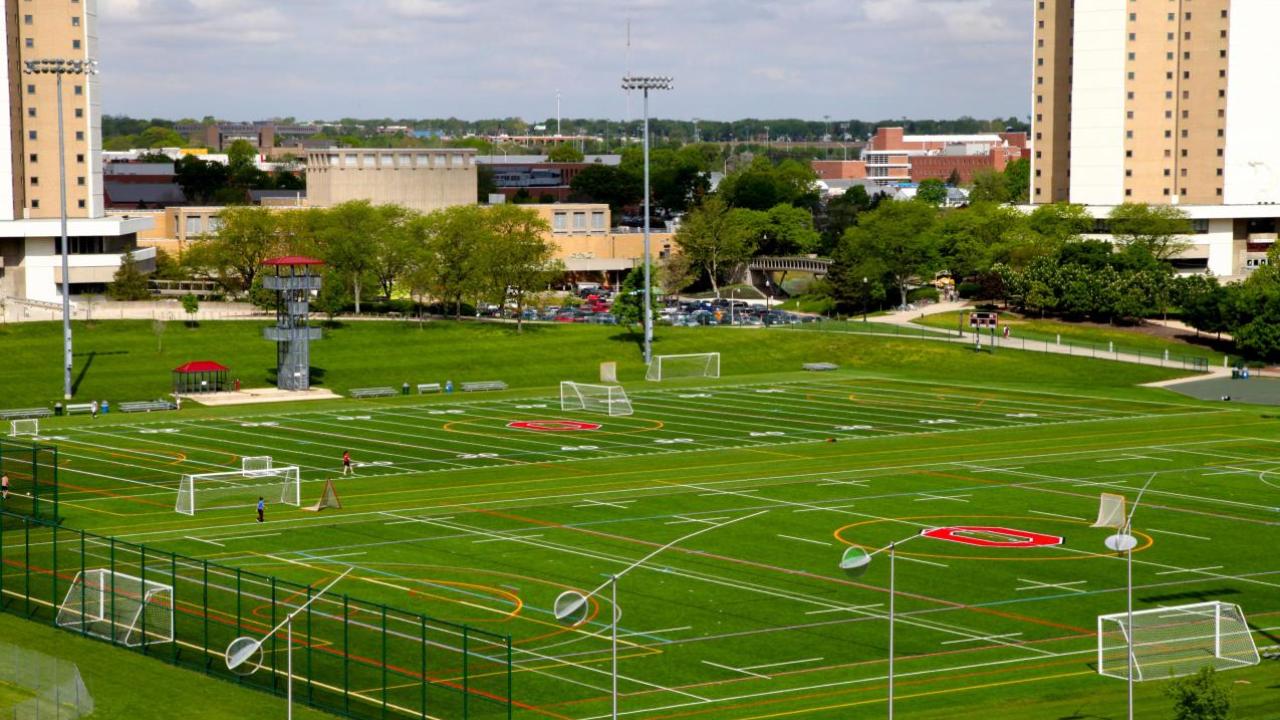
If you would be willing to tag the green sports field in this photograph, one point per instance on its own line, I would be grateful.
(458, 515)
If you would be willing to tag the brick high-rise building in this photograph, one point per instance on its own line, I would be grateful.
(30, 205)
(1162, 102)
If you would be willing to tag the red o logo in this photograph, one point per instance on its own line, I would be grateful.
(553, 425)
(997, 537)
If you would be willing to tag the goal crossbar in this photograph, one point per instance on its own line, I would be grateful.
(668, 367)
(238, 488)
(1175, 641)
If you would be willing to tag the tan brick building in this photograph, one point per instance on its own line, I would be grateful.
(421, 179)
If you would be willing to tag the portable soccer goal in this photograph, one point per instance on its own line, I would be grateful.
(254, 464)
(239, 489)
(670, 367)
(29, 426)
(121, 608)
(328, 499)
(609, 399)
(1175, 641)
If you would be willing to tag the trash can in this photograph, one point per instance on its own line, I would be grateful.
(448, 386)
(1235, 373)
(57, 409)
(404, 389)
(106, 407)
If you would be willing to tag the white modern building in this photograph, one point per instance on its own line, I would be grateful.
(1163, 102)
(30, 267)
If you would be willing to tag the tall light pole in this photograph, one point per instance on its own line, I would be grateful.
(58, 68)
(645, 83)
(1124, 541)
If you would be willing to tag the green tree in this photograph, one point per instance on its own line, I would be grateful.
(932, 191)
(485, 183)
(840, 214)
(1199, 697)
(241, 153)
(450, 264)
(393, 243)
(1203, 301)
(1161, 229)
(129, 283)
(1060, 223)
(519, 259)
(334, 295)
(191, 306)
(607, 184)
(900, 236)
(717, 238)
(786, 230)
(246, 237)
(200, 180)
(1253, 309)
(975, 238)
(565, 153)
(989, 186)
(627, 304)
(762, 185)
(159, 137)
(1017, 180)
(344, 239)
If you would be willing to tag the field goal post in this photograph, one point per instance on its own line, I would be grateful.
(667, 367)
(1175, 641)
(121, 608)
(609, 399)
(25, 426)
(225, 490)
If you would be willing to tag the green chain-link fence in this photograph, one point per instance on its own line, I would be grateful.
(32, 470)
(352, 657)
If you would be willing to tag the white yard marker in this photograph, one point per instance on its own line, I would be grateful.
(620, 504)
(1131, 456)
(804, 540)
(850, 608)
(1190, 570)
(983, 638)
(823, 508)
(926, 497)
(201, 540)
(506, 538)
(783, 664)
(827, 482)
(1178, 534)
(1049, 514)
(736, 670)
(1036, 585)
(682, 520)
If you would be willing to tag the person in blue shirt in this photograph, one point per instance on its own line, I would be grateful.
(262, 506)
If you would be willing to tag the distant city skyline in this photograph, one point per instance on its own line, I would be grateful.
(731, 59)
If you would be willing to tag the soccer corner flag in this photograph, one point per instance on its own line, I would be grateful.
(1111, 511)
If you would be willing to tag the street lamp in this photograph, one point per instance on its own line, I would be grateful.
(58, 68)
(1124, 541)
(645, 83)
(855, 562)
(571, 606)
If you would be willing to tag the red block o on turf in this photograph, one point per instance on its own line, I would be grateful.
(1016, 538)
(553, 425)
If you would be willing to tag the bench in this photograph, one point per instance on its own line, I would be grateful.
(25, 413)
(373, 392)
(483, 386)
(73, 408)
(147, 406)
(821, 367)
(424, 388)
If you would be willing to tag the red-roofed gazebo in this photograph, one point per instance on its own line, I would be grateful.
(200, 376)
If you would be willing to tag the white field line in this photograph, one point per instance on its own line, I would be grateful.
(1190, 570)
(1057, 515)
(851, 608)
(736, 670)
(982, 639)
(804, 540)
(1014, 401)
(787, 663)
(202, 540)
(1178, 534)
(926, 497)
(651, 633)
(1037, 585)
(908, 558)
(507, 539)
(251, 537)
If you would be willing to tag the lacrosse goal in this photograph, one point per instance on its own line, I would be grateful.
(29, 426)
(121, 608)
(239, 488)
(608, 399)
(1175, 641)
(695, 365)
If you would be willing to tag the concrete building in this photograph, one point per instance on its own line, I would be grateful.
(421, 179)
(1163, 102)
(892, 156)
(30, 267)
(591, 248)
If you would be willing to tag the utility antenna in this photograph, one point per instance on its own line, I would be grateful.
(628, 61)
(558, 112)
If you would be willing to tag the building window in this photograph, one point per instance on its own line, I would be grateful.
(79, 112)
(1168, 133)
(75, 21)
(35, 180)
(79, 90)
(80, 181)
(1186, 54)
(28, 20)
(194, 226)
(33, 158)
(1219, 191)
(1183, 172)
(1128, 173)
(1128, 192)
(1166, 191)
(1133, 56)
(80, 158)
(1130, 74)
(31, 135)
(1037, 154)
(1219, 172)
(1166, 172)
(80, 135)
(31, 112)
(31, 89)
(1168, 114)
(559, 222)
(1183, 191)
(1128, 153)
(30, 42)
(597, 221)
(1168, 95)
(80, 203)
(1130, 94)
(1128, 134)
(579, 221)
(1222, 73)
(75, 44)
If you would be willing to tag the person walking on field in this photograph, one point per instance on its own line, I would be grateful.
(4, 487)
(262, 508)
(346, 464)
(93, 409)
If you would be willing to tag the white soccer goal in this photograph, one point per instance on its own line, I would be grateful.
(239, 489)
(1175, 641)
(29, 426)
(118, 607)
(610, 399)
(669, 367)
(254, 464)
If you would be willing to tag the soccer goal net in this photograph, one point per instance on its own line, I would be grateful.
(255, 464)
(18, 428)
(670, 367)
(239, 489)
(1175, 641)
(118, 607)
(609, 399)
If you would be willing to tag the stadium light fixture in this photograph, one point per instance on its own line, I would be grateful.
(59, 67)
(645, 83)
(571, 607)
(243, 649)
(1124, 541)
(855, 562)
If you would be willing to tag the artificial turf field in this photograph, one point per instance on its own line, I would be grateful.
(456, 515)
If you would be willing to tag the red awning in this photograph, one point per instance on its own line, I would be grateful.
(199, 366)
(293, 260)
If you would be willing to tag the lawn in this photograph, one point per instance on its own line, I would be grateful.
(1124, 339)
(119, 360)
(457, 516)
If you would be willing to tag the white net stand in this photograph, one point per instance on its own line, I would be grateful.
(29, 426)
(695, 365)
(608, 399)
(1175, 641)
(239, 489)
(118, 607)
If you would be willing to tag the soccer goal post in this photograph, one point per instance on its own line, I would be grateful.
(29, 426)
(670, 367)
(608, 399)
(1175, 641)
(121, 608)
(239, 489)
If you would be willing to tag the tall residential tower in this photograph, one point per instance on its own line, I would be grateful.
(29, 189)
(1162, 102)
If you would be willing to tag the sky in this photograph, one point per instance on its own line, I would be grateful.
(328, 59)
